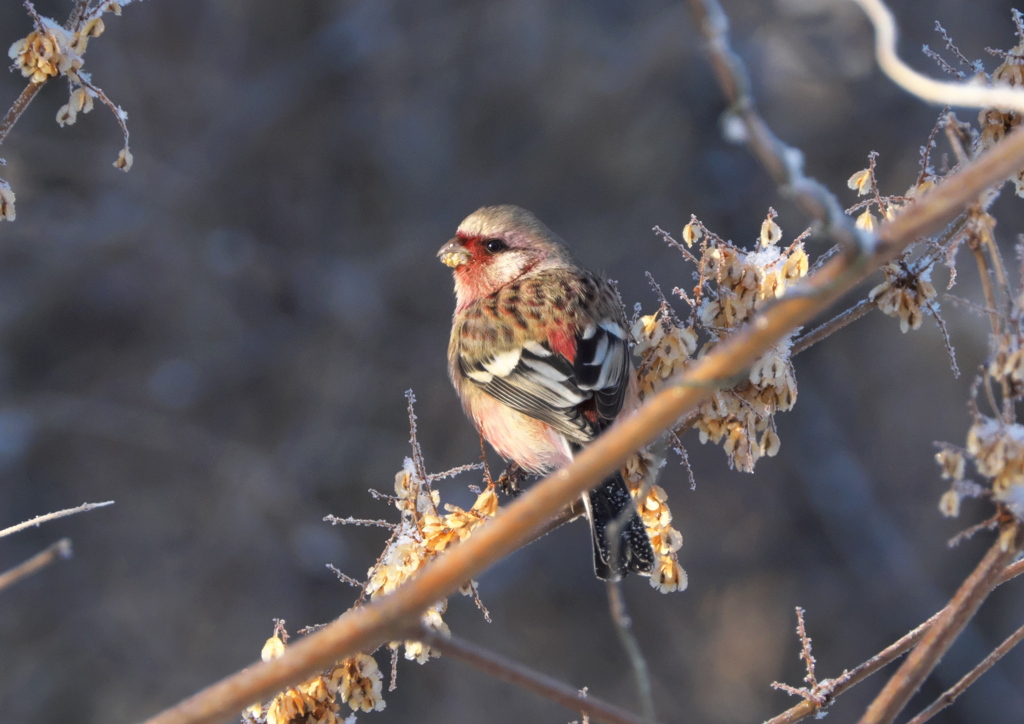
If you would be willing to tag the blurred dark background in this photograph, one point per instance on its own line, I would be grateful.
(220, 341)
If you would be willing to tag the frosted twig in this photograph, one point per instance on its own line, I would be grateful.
(680, 450)
(475, 593)
(832, 326)
(883, 658)
(926, 149)
(950, 350)
(667, 238)
(344, 577)
(417, 452)
(83, 508)
(989, 524)
(335, 520)
(394, 668)
(455, 471)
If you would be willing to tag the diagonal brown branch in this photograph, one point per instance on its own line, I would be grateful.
(941, 634)
(951, 694)
(523, 677)
(877, 662)
(369, 626)
(18, 107)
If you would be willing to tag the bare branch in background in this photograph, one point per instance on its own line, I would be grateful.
(941, 634)
(970, 95)
(40, 519)
(826, 329)
(528, 679)
(637, 662)
(783, 163)
(18, 107)
(951, 695)
(876, 663)
(61, 550)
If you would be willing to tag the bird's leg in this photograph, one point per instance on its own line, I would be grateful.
(508, 481)
(483, 459)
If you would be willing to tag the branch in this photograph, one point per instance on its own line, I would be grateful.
(514, 673)
(624, 630)
(850, 679)
(370, 625)
(83, 508)
(941, 634)
(883, 658)
(951, 694)
(59, 550)
(782, 162)
(18, 107)
(832, 326)
(969, 95)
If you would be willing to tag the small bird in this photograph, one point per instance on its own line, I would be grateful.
(539, 358)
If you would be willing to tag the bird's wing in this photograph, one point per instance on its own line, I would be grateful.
(548, 386)
(602, 367)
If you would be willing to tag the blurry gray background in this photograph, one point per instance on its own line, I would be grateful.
(220, 341)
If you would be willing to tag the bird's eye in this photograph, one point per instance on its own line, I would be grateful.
(495, 245)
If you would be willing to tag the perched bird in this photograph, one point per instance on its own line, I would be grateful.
(539, 358)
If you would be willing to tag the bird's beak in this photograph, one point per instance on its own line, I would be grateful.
(453, 253)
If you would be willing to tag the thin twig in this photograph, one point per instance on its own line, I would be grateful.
(624, 630)
(368, 626)
(18, 107)
(974, 244)
(59, 550)
(515, 673)
(832, 326)
(951, 694)
(83, 508)
(941, 634)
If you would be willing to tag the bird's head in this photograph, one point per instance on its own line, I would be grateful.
(494, 246)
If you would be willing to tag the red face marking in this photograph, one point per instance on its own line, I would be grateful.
(472, 243)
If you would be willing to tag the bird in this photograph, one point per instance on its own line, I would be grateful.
(539, 357)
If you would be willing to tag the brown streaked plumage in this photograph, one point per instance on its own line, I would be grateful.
(539, 357)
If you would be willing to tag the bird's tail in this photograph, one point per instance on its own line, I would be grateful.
(610, 508)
